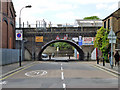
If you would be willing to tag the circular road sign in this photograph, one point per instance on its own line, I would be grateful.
(19, 35)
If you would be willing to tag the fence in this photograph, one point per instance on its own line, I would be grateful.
(9, 56)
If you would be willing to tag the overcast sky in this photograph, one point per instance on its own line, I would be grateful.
(63, 11)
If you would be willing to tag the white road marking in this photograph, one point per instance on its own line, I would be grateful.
(36, 73)
(64, 86)
(62, 75)
(44, 73)
(3, 83)
(62, 68)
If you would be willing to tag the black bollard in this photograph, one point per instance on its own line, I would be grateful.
(69, 56)
(103, 62)
(97, 60)
(49, 57)
(111, 66)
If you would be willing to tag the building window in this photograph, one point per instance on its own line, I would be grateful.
(11, 13)
(108, 23)
(105, 24)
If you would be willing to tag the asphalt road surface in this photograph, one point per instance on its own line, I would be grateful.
(60, 75)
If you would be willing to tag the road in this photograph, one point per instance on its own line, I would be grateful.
(60, 75)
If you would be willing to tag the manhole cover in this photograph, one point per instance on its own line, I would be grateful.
(36, 73)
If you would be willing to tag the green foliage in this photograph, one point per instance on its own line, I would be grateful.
(92, 17)
(63, 45)
(52, 45)
(102, 42)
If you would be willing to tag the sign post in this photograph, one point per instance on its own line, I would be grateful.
(19, 37)
(112, 39)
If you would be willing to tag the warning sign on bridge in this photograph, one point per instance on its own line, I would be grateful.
(57, 38)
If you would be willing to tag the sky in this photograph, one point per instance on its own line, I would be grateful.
(63, 11)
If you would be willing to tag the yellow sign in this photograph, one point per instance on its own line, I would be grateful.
(39, 39)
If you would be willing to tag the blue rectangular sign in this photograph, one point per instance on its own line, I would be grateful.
(80, 43)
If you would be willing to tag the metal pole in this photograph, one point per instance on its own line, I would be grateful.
(29, 6)
(20, 55)
(111, 49)
(32, 48)
(20, 41)
(103, 62)
(19, 22)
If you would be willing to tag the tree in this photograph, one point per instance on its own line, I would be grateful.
(63, 45)
(92, 17)
(102, 42)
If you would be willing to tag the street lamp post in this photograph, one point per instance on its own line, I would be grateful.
(29, 6)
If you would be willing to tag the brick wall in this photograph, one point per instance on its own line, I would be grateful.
(8, 25)
(115, 23)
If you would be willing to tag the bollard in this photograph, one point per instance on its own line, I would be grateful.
(49, 57)
(69, 56)
(111, 66)
(97, 60)
(103, 62)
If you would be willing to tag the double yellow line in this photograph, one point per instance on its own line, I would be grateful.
(16, 72)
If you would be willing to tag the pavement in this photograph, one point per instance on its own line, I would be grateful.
(15, 67)
(107, 67)
(6, 69)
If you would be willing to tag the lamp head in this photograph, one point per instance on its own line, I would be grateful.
(29, 6)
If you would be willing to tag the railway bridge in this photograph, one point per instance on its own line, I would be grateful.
(32, 49)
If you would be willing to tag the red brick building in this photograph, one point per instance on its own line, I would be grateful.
(7, 22)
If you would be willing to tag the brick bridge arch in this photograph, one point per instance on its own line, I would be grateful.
(78, 48)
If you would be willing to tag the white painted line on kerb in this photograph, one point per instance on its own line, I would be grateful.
(62, 75)
(64, 86)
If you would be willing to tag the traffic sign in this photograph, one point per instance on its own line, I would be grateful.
(111, 36)
(65, 37)
(39, 39)
(112, 41)
(80, 43)
(75, 39)
(57, 38)
(80, 40)
(19, 35)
